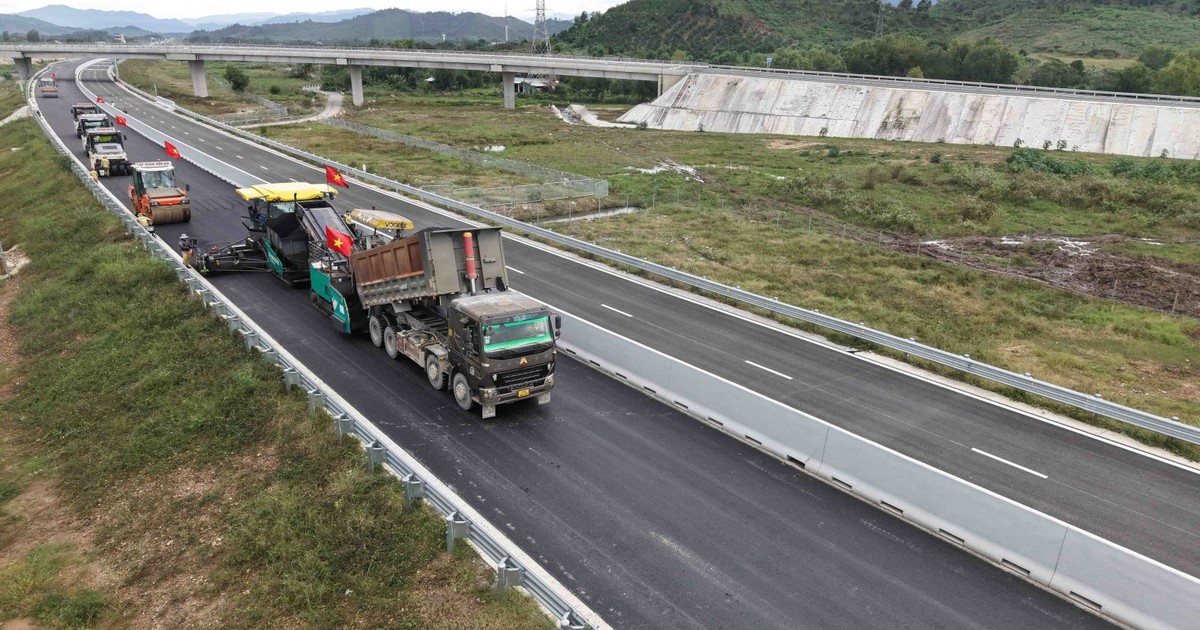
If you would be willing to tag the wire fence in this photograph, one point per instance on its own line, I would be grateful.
(554, 184)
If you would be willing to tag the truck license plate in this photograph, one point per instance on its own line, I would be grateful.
(522, 393)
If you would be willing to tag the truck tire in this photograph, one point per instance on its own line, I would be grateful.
(434, 372)
(375, 327)
(462, 392)
(390, 344)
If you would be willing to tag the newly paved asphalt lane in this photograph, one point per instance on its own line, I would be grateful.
(653, 519)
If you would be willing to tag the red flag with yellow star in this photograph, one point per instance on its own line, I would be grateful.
(338, 242)
(332, 176)
(171, 150)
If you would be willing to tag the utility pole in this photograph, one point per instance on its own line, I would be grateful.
(505, 22)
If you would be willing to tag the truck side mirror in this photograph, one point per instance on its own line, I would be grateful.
(187, 188)
(124, 138)
(557, 326)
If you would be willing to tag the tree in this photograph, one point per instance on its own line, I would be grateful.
(905, 5)
(1135, 78)
(1181, 77)
(33, 36)
(986, 60)
(1156, 57)
(915, 73)
(238, 79)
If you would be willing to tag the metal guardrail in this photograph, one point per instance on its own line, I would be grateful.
(1024, 382)
(555, 184)
(513, 566)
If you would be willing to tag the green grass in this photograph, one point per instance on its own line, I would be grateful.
(10, 97)
(1095, 31)
(173, 80)
(34, 587)
(155, 425)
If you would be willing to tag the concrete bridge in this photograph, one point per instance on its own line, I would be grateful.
(507, 65)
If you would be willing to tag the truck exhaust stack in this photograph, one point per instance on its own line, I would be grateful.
(469, 253)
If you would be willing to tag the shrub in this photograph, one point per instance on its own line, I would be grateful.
(936, 158)
(275, 89)
(833, 151)
(1033, 160)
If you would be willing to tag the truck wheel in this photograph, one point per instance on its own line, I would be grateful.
(462, 392)
(437, 377)
(375, 326)
(390, 344)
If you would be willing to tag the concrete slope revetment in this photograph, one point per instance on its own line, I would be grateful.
(786, 106)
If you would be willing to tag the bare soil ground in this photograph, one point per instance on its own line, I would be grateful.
(1076, 265)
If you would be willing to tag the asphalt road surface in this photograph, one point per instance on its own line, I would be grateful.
(651, 518)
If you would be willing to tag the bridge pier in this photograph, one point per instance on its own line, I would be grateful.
(199, 78)
(510, 90)
(356, 92)
(24, 67)
(665, 81)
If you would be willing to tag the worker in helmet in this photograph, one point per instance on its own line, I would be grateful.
(186, 245)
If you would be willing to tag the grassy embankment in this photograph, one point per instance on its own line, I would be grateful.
(152, 472)
(747, 224)
(174, 81)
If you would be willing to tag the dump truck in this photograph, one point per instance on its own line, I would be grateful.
(91, 121)
(438, 296)
(47, 88)
(154, 194)
(105, 148)
(79, 109)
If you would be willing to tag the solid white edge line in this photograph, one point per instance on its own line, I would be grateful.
(779, 328)
(1005, 461)
(514, 269)
(763, 367)
(619, 312)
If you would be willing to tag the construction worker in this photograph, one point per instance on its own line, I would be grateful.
(186, 244)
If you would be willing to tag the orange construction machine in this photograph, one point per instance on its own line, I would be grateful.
(155, 195)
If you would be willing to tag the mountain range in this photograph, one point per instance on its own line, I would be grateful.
(62, 19)
(388, 24)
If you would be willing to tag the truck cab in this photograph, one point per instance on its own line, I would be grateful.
(105, 149)
(79, 109)
(502, 349)
(91, 121)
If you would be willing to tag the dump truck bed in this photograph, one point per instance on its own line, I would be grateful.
(428, 264)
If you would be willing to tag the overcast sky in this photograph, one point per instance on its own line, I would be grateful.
(523, 9)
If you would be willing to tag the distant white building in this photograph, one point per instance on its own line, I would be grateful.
(119, 38)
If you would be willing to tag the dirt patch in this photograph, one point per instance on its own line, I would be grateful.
(793, 145)
(1077, 265)
(23, 623)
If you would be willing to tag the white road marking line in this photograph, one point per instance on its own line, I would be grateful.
(294, 179)
(263, 167)
(187, 133)
(1005, 461)
(616, 311)
(236, 156)
(516, 270)
(763, 367)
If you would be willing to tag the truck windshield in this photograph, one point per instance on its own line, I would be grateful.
(500, 339)
(89, 124)
(158, 179)
(105, 139)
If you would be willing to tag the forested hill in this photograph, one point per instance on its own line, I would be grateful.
(705, 28)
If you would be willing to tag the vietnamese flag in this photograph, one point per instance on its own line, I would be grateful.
(171, 150)
(99, 99)
(332, 176)
(338, 241)
(121, 121)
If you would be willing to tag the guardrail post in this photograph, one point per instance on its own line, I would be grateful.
(291, 378)
(375, 456)
(342, 425)
(456, 527)
(316, 400)
(568, 621)
(3, 262)
(508, 575)
(413, 489)
(250, 337)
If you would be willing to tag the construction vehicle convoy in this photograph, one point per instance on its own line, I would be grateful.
(105, 150)
(47, 88)
(438, 296)
(154, 194)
